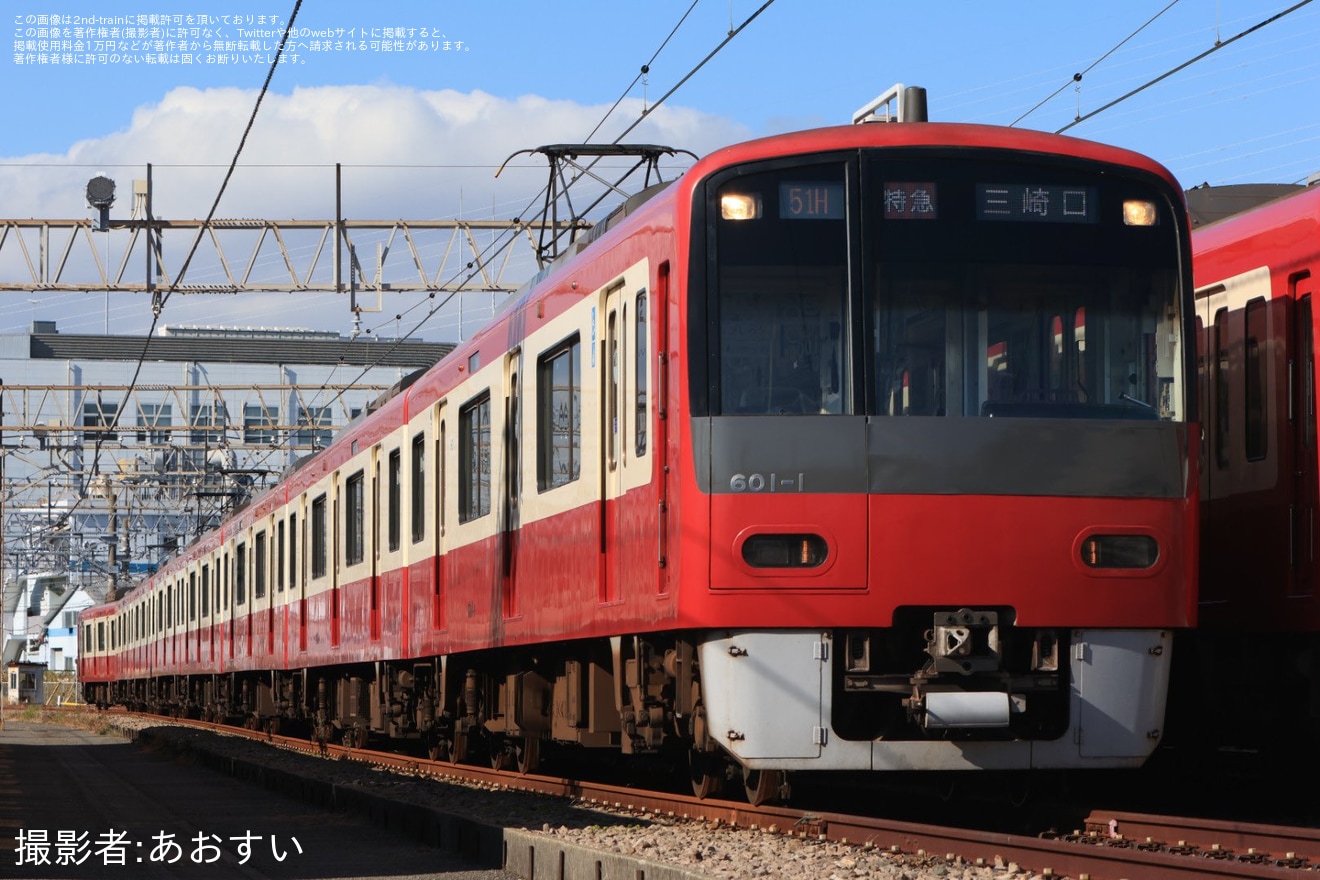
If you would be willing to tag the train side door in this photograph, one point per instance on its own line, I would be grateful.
(1304, 455)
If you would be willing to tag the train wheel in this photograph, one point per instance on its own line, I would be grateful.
(529, 754)
(501, 753)
(458, 748)
(705, 773)
(762, 786)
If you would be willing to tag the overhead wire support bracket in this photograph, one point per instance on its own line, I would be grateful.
(565, 156)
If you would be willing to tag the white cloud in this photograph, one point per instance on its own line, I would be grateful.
(405, 153)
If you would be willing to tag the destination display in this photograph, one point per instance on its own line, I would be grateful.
(1036, 203)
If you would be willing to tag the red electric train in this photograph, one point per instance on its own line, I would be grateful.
(866, 448)
(1254, 668)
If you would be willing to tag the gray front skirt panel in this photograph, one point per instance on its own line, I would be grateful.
(941, 456)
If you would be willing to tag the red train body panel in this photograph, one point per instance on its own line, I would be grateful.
(1255, 649)
(869, 447)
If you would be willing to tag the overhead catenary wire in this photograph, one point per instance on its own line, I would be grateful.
(1077, 77)
(1188, 63)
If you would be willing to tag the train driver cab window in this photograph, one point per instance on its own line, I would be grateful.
(1005, 291)
(780, 291)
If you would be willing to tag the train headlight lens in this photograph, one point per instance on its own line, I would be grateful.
(1120, 551)
(1138, 212)
(734, 206)
(784, 551)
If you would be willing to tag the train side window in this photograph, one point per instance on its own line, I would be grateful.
(354, 519)
(259, 561)
(1223, 413)
(1254, 373)
(293, 551)
(394, 489)
(240, 574)
(319, 559)
(559, 415)
(474, 459)
(639, 381)
(417, 472)
(280, 544)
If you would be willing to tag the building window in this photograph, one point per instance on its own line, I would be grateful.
(418, 477)
(208, 424)
(313, 427)
(100, 414)
(354, 518)
(474, 459)
(318, 524)
(559, 416)
(258, 424)
(154, 420)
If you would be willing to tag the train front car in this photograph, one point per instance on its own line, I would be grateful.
(941, 389)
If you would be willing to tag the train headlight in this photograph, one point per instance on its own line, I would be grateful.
(1139, 212)
(736, 206)
(1120, 551)
(784, 551)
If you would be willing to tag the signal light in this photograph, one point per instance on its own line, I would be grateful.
(1120, 551)
(784, 551)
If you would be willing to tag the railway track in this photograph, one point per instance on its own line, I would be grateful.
(1112, 845)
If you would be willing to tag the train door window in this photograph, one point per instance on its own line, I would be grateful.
(318, 525)
(417, 481)
(1254, 374)
(206, 590)
(280, 544)
(474, 459)
(1223, 412)
(354, 519)
(559, 415)
(294, 580)
(639, 370)
(394, 491)
(259, 566)
(442, 458)
(513, 430)
(192, 595)
(100, 636)
(612, 390)
(240, 573)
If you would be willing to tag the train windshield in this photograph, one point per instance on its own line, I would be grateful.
(913, 287)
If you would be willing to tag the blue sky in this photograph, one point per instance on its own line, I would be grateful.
(519, 74)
